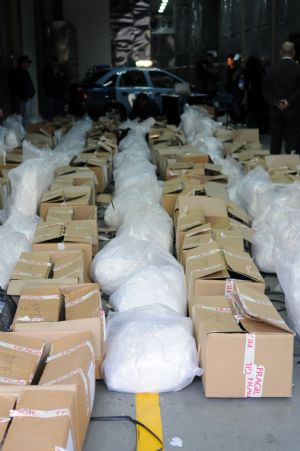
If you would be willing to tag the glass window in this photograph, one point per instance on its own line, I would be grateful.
(162, 80)
(110, 82)
(133, 78)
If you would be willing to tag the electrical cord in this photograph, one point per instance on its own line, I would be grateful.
(132, 421)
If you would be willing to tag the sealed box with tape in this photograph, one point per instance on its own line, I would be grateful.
(244, 346)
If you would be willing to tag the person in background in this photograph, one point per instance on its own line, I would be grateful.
(54, 80)
(281, 90)
(22, 88)
(255, 103)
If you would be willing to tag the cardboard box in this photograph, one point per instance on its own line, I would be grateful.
(32, 266)
(187, 221)
(209, 261)
(73, 195)
(78, 213)
(69, 266)
(51, 331)
(190, 233)
(7, 403)
(176, 186)
(39, 304)
(19, 358)
(283, 162)
(43, 421)
(99, 166)
(243, 356)
(82, 301)
(214, 210)
(59, 250)
(16, 287)
(71, 361)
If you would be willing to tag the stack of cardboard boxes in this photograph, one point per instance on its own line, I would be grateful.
(51, 357)
(245, 348)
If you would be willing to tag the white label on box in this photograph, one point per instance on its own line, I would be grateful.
(61, 246)
(40, 413)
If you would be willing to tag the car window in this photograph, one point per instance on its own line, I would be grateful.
(162, 80)
(93, 77)
(133, 78)
(110, 82)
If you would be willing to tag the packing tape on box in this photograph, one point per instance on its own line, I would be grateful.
(254, 373)
(214, 309)
(67, 264)
(203, 254)
(31, 297)
(18, 348)
(11, 381)
(28, 319)
(82, 299)
(4, 419)
(81, 345)
(246, 298)
(33, 413)
(34, 262)
(80, 372)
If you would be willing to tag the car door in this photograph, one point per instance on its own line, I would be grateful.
(101, 92)
(162, 83)
(131, 82)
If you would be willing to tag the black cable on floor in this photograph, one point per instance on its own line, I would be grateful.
(132, 421)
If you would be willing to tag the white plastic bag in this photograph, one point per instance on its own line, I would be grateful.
(15, 131)
(149, 349)
(150, 223)
(162, 284)
(28, 182)
(12, 244)
(121, 257)
(132, 200)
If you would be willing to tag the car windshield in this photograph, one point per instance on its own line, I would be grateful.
(93, 77)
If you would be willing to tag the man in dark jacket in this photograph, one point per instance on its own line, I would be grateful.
(22, 88)
(282, 92)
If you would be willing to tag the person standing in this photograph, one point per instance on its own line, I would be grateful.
(22, 88)
(54, 80)
(281, 90)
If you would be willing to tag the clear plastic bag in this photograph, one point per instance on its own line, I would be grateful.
(150, 223)
(28, 182)
(162, 284)
(121, 257)
(15, 131)
(134, 199)
(12, 244)
(133, 171)
(149, 349)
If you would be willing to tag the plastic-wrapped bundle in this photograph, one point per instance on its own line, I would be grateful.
(28, 182)
(12, 244)
(121, 257)
(195, 121)
(132, 200)
(133, 171)
(135, 143)
(30, 151)
(149, 349)
(163, 284)
(23, 224)
(151, 223)
(251, 187)
(286, 255)
(15, 131)
(231, 167)
(3, 133)
(208, 145)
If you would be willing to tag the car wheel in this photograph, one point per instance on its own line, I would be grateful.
(115, 111)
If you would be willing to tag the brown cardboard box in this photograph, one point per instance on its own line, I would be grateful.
(50, 331)
(19, 358)
(186, 221)
(73, 195)
(189, 233)
(78, 213)
(215, 189)
(15, 287)
(58, 250)
(82, 301)
(71, 361)
(39, 304)
(209, 261)
(246, 232)
(251, 356)
(32, 266)
(214, 210)
(7, 403)
(59, 214)
(43, 420)
(172, 188)
(100, 166)
(69, 266)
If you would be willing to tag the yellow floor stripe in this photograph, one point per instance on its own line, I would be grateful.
(148, 412)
